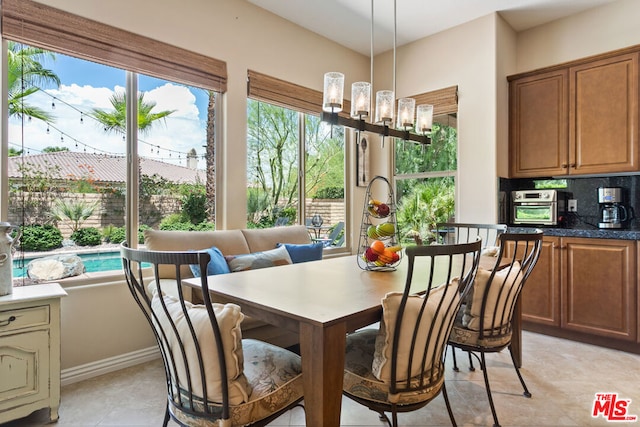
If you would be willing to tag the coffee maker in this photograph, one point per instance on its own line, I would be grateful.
(613, 213)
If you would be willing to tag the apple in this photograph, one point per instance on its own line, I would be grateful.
(383, 209)
(370, 255)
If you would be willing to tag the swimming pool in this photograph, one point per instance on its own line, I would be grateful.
(93, 262)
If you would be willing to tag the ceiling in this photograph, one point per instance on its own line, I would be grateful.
(348, 22)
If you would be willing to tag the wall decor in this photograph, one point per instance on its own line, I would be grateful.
(362, 162)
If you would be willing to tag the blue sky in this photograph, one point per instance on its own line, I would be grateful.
(85, 86)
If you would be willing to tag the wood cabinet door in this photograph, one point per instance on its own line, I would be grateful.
(598, 281)
(603, 116)
(541, 293)
(538, 125)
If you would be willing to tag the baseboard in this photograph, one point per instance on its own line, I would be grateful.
(104, 366)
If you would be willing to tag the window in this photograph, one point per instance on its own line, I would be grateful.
(69, 140)
(425, 175)
(286, 137)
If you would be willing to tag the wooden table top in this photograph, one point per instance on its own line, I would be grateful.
(318, 292)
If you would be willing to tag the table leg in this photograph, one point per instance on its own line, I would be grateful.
(322, 351)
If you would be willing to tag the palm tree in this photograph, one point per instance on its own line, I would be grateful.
(115, 121)
(210, 157)
(26, 74)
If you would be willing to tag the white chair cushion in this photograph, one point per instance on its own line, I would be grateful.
(229, 318)
(275, 379)
(381, 367)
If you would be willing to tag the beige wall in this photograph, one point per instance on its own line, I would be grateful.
(463, 56)
(595, 31)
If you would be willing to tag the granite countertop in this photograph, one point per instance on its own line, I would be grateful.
(594, 233)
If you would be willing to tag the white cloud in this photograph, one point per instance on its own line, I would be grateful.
(180, 132)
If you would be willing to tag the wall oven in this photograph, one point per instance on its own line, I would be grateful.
(538, 207)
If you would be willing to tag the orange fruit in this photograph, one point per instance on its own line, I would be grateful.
(377, 247)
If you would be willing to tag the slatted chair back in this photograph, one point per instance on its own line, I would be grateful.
(202, 348)
(485, 322)
(400, 366)
(517, 256)
(441, 296)
(456, 232)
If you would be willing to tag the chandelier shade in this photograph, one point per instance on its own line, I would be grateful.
(424, 120)
(333, 92)
(406, 113)
(383, 120)
(360, 100)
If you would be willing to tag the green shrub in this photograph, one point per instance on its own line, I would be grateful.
(194, 206)
(89, 236)
(329, 193)
(40, 238)
(117, 235)
(205, 226)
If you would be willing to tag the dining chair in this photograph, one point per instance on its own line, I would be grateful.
(213, 376)
(457, 232)
(484, 323)
(399, 367)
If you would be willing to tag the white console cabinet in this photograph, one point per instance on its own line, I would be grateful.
(30, 351)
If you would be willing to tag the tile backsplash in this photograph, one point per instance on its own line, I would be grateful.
(585, 191)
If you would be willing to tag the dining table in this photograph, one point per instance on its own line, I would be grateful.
(322, 301)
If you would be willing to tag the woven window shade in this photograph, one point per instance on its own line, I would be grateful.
(289, 95)
(444, 101)
(52, 29)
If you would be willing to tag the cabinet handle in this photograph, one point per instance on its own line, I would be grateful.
(573, 165)
(564, 166)
(7, 321)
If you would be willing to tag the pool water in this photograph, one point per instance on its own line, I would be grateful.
(93, 262)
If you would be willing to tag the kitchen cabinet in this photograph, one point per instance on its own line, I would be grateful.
(541, 293)
(584, 287)
(538, 131)
(30, 351)
(581, 118)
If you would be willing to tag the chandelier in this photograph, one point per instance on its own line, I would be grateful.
(411, 124)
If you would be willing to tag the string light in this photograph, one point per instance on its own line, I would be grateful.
(54, 99)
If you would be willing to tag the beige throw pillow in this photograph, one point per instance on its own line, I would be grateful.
(504, 279)
(229, 318)
(381, 366)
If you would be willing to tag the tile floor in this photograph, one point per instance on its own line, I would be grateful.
(563, 377)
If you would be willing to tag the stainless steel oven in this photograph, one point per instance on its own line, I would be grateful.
(537, 207)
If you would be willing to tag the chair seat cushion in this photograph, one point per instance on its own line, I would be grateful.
(275, 382)
(360, 382)
(461, 334)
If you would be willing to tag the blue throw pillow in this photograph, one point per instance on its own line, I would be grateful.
(217, 265)
(305, 252)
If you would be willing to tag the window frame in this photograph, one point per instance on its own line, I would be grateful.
(38, 25)
(305, 101)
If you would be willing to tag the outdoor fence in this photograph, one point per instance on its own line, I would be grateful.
(35, 208)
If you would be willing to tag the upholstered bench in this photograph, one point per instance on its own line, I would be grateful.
(245, 248)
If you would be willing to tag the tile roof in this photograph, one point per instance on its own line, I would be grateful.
(102, 168)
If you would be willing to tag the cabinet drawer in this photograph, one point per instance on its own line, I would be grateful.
(12, 320)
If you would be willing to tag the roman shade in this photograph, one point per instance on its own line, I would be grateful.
(38, 25)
